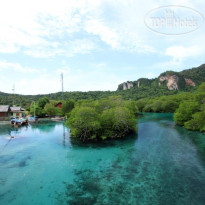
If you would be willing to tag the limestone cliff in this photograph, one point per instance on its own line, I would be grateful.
(190, 82)
(184, 80)
(172, 81)
(175, 82)
(125, 86)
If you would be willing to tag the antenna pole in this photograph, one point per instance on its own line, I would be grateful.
(13, 89)
(62, 85)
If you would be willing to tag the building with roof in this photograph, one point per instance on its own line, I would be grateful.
(17, 112)
(59, 105)
(6, 112)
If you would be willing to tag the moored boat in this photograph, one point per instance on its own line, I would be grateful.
(19, 121)
(33, 119)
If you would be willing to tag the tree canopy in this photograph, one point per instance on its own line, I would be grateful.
(106, 118)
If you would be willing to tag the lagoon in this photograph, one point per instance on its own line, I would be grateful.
(161, 164)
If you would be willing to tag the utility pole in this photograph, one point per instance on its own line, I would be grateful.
(13, 89)
(62, 85)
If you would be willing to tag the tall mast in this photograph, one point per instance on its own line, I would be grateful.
(13, 89)
(62, 85)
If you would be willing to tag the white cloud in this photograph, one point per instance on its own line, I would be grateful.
(60, 29)
(8, 66)
(6, 47)
(36, 25)
(69, 49)
(108, 35)
(181, 52)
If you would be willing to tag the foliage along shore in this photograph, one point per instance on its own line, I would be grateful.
(108, 118)
(188, 108)
(93, 120)
(102, 119)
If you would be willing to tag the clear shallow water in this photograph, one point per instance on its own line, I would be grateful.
(163, 164)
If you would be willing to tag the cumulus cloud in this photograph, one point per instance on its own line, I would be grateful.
(181, 52)
(34, 26)
(45, 33)
(10, 67)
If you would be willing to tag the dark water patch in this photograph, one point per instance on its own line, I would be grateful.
(7, 197)
(2, 182)
(101, 144)
(22, 163)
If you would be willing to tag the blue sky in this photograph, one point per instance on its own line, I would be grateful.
(97, 44)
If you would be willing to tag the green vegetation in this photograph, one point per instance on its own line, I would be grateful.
(45, 107)
(167, 104)
(51, 110)
(149, 88)
(67, 106)
(191, 113)
(106, 118)
(197, 75)
(106, 108)
(188, 107)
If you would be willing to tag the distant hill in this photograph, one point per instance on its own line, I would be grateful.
(168, 83)
(183, 81)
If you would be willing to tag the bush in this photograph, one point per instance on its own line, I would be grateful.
(67, 106)
(169, 106)
(185, 111)
(117, 122)
(102, 119)
(197, 123)
(51, 110)
(84, 123)
(141, 104)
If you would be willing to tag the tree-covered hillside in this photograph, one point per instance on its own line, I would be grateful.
(185, 80)
(142, 88)
(196, 74)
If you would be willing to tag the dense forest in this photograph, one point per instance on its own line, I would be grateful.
(133, 94)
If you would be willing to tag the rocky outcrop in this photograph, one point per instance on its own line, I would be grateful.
(127, 85)
(190, 82)
(172, 81)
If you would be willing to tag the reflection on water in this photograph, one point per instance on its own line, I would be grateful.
(163, 164)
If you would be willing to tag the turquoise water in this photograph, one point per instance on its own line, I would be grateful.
(163, 164)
